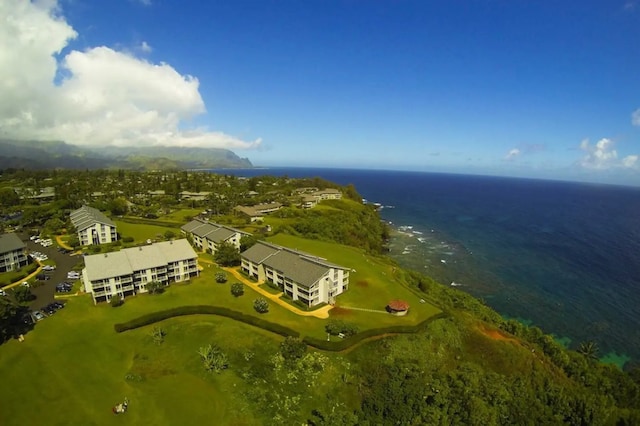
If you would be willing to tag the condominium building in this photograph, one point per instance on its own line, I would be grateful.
(93, 227)
(12, 253)
(127, 272)
(301, 276)
(208, 235)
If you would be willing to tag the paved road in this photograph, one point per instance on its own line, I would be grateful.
(64, 263)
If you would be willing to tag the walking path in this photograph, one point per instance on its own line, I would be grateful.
(27, 278)
(62, 243)
(378, 311)
(322, 313)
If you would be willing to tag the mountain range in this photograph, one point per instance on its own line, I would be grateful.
(56, 154)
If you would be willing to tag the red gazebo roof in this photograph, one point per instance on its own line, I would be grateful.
(398, 305)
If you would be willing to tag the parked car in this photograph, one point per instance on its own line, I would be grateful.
(64, 287)
(43, 277)
(2, 292)
(39, 316)
(48, 268)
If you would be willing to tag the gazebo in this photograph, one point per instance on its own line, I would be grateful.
(398, 307)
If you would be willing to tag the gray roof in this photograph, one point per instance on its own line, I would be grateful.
(127, 261)
(259, 252)
(10, 242)
(211, 231)
(176, 250)
(87, 216)
(145, 257)
(189, 227)
(301, 267)
(107, 265)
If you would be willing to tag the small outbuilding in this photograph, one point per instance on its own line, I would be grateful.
(398, 307)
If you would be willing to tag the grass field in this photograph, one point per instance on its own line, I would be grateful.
(73, 367)
(371, 283)
(142, 232)
(181, 215)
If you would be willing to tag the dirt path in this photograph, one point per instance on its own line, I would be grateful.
(496, 335)
(322, 313)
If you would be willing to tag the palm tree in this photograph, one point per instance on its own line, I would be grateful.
(589, 349)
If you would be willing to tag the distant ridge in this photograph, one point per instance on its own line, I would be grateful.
(57, 154)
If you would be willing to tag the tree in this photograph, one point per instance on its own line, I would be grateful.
(221, 277)
(11, 315)
(23, 294)
(169, 234)
(118, 206)
(155, 287)
(213, 359)
(116, 301)
(8, 197)
(54, 225)
(261, 305)
(589, 349)
(246, 242)
(237, 289)
(292, 348)
(227, 255)
(73, 240)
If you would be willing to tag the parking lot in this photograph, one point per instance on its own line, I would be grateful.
(64, 263)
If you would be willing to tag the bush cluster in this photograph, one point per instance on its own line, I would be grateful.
(204, 309)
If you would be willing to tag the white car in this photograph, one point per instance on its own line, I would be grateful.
(48, 268)
(2, 292)
(25, 284)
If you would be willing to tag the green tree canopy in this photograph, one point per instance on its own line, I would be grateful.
(8, 197)
(292, 349)
(227, 255)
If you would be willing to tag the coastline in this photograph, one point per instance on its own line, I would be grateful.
(431, 254)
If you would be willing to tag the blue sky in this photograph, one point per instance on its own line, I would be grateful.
(518, 88)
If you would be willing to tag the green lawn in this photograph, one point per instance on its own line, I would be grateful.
(181, 215)
(72, 371)
(73, 367)
(371, 286)
(142, 232)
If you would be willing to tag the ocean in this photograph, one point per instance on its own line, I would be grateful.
(562, 256)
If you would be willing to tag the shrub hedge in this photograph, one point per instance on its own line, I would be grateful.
(335, 346)
(207, 310)
(373, 332)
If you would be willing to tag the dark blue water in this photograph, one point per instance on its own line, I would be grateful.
(565, 256)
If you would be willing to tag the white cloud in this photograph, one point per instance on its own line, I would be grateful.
(603, 156)
(145, 47)
(511, 155)
(630, 161)
(106, 97)
(635, 117)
